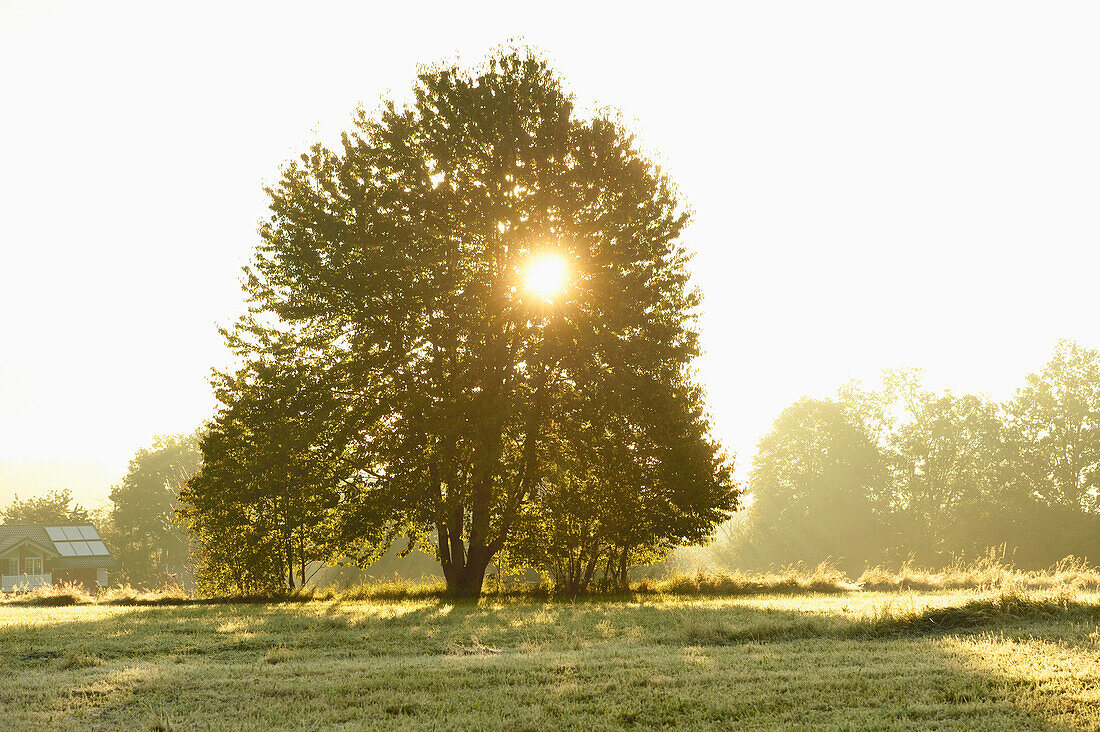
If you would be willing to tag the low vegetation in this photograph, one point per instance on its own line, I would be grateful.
(989, 573)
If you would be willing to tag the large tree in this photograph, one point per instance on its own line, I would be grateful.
(404, 258)
(950, 491)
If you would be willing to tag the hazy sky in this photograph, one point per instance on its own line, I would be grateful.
(876, 184)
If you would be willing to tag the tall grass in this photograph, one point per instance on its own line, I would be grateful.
(796, 578)
(990, 572)
(75, 594)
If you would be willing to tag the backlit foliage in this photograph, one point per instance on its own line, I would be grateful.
(393, 267)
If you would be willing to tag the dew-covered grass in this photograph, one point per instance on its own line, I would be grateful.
(996, 659)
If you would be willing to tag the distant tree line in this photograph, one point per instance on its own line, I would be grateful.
(906, 472)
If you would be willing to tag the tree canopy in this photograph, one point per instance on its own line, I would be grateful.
(54, 507)
(396, 270)
(1055, 419)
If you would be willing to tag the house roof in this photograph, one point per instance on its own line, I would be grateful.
(73, 546)
(12, 535)
(46, 547)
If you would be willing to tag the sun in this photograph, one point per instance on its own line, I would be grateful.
(546, 275)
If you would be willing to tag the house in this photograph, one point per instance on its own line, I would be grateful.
(35, 556)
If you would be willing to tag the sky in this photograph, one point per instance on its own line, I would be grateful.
(874, 184)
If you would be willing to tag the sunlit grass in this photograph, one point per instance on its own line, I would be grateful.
(996, 659)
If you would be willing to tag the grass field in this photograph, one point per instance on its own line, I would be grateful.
(900, 660)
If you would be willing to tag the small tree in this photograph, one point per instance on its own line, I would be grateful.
(263, 505)
(144, 532)
(634, 476)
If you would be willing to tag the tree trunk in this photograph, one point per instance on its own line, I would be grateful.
(589, 570)
(466, 582)
(289, 567)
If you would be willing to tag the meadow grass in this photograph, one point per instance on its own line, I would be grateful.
(1002, 658)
